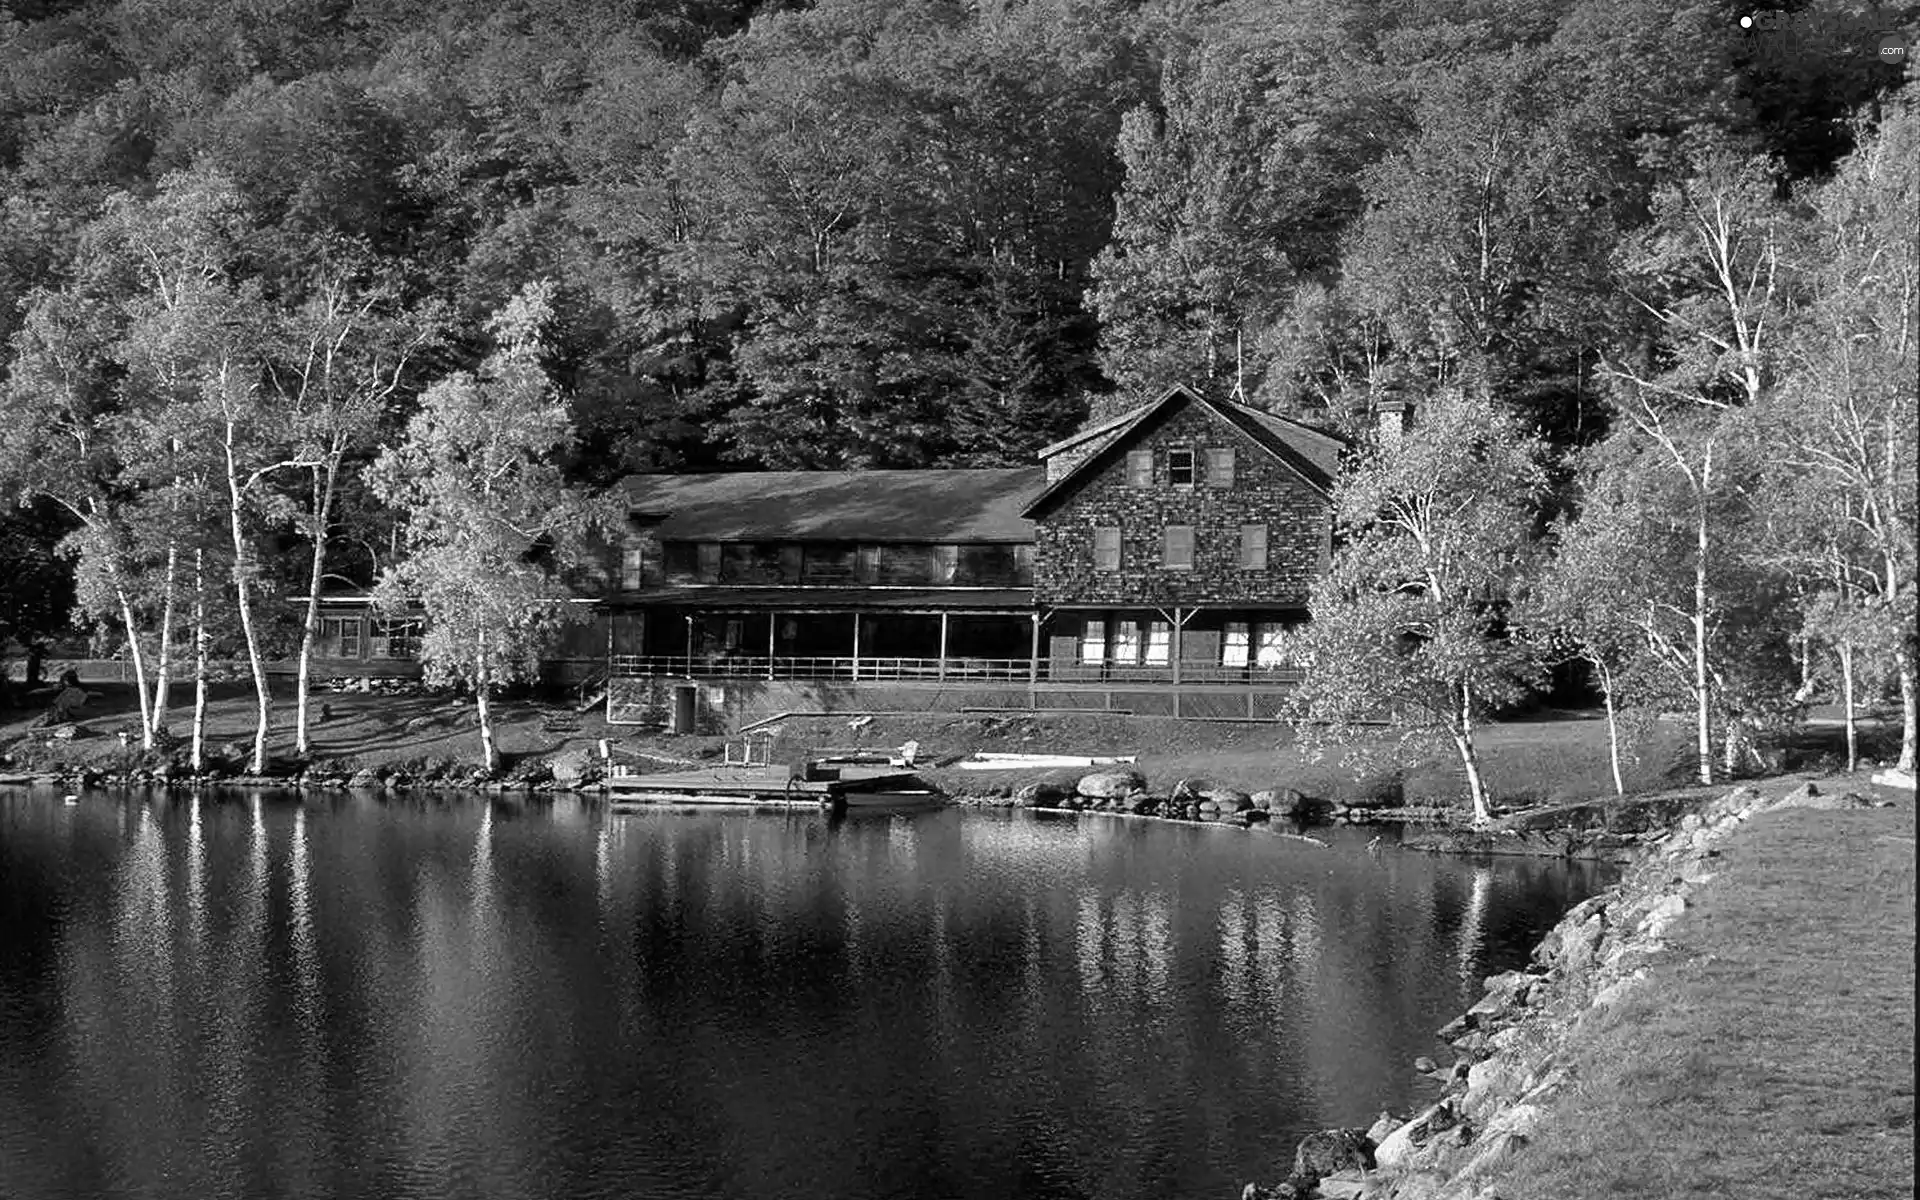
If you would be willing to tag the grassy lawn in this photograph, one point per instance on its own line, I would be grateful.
(1776, 1058)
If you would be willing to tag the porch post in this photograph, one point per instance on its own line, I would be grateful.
(1033, 661)
(856, 646)
(773, 623)
(1178, 625)
(943, 644)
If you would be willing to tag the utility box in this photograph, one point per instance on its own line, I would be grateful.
(686, 707)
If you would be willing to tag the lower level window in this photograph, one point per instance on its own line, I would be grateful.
(1253, 643)
(1093, 642)
(1159, 643)
(1234, 644)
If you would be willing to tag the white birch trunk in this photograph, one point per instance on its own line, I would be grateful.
(1463, 741)
(1613, 725)
(162, 678)
(489, 753)
(139, 668)
(1906, 713)
(198, 751)
(243, 597)
(1845, 650)
(323, 505)
(1701, 694)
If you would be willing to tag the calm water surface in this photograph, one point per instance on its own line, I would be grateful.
(257, 997)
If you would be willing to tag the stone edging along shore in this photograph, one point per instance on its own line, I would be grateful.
(1514, 1046)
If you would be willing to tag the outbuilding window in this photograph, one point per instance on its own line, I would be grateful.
(1180, 467)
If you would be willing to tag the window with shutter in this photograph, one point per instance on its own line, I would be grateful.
(1220, 467)
(1140, 468)
(1253, 547)
(1176, 551)
(1106, 548)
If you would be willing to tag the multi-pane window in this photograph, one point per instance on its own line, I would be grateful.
(1139, 468)
(1093, 642)
(1126, 642)
(632, 558)
(1234, 645)
(396, 638)
(1106, 548)
(1253, 547)
(1176, 550)
(1159, 643)
(1180, 467)
(340, 636)
(1269, 646)
(1220, 467)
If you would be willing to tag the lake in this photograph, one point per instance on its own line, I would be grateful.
(254, 996)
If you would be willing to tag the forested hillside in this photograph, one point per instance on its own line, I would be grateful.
(239, 240)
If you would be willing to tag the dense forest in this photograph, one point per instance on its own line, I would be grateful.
(256, 256)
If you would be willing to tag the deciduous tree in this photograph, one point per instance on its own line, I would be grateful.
(1410, 622)
(490, 526)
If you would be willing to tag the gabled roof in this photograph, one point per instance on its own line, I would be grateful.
(1312, 454)
(960, 505)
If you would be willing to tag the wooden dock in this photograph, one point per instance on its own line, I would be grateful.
(813, 786)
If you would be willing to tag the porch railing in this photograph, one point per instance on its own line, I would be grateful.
(959, 669)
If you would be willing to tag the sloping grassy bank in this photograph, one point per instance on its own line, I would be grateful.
(1735, 1018)
(1774, 1055)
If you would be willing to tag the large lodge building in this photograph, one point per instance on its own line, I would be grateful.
(1151, 564)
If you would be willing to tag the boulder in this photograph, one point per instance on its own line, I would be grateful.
(1108, 784)
(1229, 799)
(1278, 1191)
(1284, 803)
(1425, 1066)
(1396, 1150)
(1382, 1127)
(1322, 1153)
(1505, 992)
(1041, 795)
(366, 777)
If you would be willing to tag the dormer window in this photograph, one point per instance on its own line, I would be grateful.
(1180, 467)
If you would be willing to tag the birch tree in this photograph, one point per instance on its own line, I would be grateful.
(63, 441)
(1409, 624)
(489, 525)
(1710, 278)
(342, 357)
(1839, 432)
